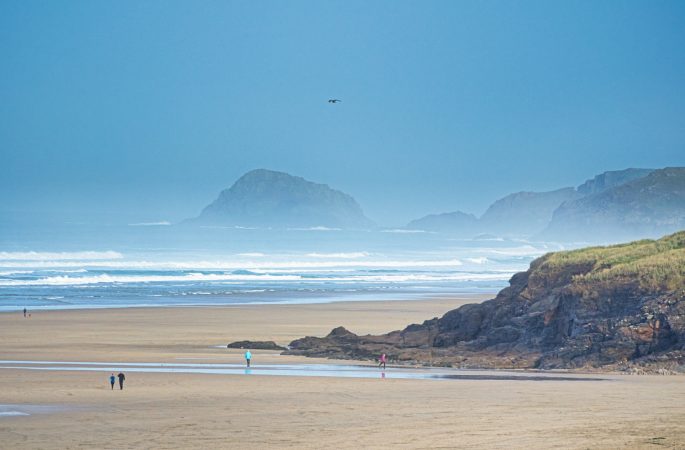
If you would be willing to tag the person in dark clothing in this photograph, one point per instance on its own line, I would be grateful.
(122, 377)
(111, 380)
(24, 312)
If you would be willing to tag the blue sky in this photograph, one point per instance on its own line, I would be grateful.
(151, 108)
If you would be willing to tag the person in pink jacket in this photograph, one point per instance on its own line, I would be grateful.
(382, 361)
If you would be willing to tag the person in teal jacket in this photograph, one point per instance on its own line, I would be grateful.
(112, 379)
(248, 357)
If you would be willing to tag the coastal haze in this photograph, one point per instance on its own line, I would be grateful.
(157, 265)
(489, 197)
(272, 237)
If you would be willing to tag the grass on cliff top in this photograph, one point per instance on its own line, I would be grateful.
(655, 265)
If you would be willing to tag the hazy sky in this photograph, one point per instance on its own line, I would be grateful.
(151, 108)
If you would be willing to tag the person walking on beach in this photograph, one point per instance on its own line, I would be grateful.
(248, 357)
(24, 313)
(382, 361)
(112, 378)
(122, 377)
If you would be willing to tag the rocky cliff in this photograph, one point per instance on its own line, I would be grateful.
(612, 206)
(265, 198)
(523, 213)
(610, 179)
(518, 214)
(616, 307)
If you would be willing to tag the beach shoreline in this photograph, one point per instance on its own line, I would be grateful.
(294, 301)
(200, 410)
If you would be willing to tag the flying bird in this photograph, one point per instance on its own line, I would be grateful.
(334, 100)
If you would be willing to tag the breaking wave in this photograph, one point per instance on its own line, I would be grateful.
(60, 256)
(65, 280)
(231, 265)
(348, 255)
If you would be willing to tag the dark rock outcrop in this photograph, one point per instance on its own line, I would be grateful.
(601, 307)
(265, 198)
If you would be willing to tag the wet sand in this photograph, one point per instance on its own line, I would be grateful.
(193, 410)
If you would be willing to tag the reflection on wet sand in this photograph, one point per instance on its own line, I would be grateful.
(302, 370)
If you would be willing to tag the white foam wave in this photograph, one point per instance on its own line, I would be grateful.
(64, 280)
(200, 277)
(252, 255)
(349, 255)
(26, 272)
(233, 265)
(15, 272)
(59, 256)
(481, 260)
(436, 278)
(315, 229)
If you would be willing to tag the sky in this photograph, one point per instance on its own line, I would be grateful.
(149, 109)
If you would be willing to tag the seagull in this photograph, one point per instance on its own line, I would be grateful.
(334, 100)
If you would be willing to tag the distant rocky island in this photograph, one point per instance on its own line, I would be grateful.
(613, 206)
(266, 198)
(619, 307)
(646, 206)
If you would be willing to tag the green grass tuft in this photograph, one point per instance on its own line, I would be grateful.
(649, 265)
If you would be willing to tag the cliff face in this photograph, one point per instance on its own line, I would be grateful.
(608, 180)
(524, 213)
(612, 307)
(612, 206)
(519, 214)
(265, 198)
(647, 207)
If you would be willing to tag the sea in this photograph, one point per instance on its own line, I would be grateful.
(94, 264)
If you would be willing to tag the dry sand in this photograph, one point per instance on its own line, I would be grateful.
(223, 411)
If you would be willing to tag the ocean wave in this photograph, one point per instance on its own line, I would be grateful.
(9, 273)
(233, 265)
(60, 256)
(64, 280)
(349, 255)
(481, 260)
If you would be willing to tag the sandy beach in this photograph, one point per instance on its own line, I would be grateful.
(181, 410)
